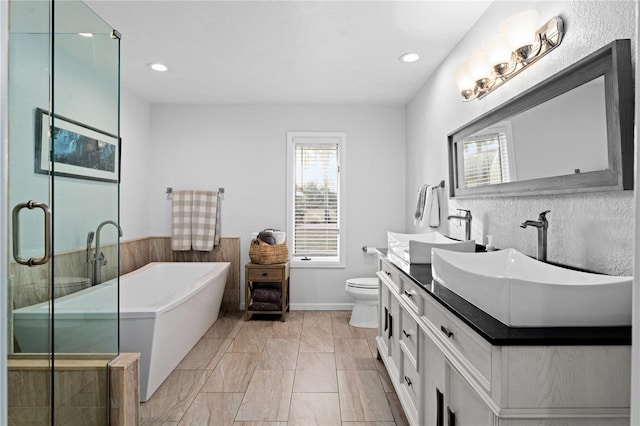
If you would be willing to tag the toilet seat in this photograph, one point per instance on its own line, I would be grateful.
(367, 283)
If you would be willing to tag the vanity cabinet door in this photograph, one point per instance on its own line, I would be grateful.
(389, 329)
(464, 406)
(383, 324)
(432, 365)
(394, 334)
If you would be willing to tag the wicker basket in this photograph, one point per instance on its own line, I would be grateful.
(267, 254)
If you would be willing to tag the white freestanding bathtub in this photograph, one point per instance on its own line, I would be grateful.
(165, 308)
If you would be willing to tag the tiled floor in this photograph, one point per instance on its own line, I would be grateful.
(313, 369)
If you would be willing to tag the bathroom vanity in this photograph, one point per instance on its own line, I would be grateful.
(453, 364)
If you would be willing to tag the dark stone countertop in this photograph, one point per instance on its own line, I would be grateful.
(499, 334)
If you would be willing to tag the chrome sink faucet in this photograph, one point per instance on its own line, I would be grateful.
(98, 258)
(466, 218)
(542, 224)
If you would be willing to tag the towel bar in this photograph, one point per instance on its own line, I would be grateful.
(440, 185)
(169, 192)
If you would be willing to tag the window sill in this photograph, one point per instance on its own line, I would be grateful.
(316, 264)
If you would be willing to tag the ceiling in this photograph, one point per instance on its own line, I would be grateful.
(284, 52)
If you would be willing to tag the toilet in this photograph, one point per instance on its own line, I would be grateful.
(365, 306)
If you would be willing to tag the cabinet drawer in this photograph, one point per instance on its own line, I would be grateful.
(461, 338)
(410, 384)
(409, 336)
(259, 274)
(389, 271)
(411, 293)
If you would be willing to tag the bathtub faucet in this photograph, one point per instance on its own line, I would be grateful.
(98, 258)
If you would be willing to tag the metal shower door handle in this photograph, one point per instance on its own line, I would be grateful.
(47, 233)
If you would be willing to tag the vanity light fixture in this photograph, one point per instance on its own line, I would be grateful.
(516, 46)
(87, 35)
(409, 57)
(158, 67)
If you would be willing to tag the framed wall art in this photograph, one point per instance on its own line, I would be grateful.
(75, 150)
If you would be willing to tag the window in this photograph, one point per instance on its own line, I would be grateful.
(488, 158)
(315, 188)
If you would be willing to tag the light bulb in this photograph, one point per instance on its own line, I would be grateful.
(477, 67)
(464, 80)
(519, 30)
(496, 50)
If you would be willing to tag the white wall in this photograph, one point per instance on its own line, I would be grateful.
(593, 231)
(243, 149)
(135, 130)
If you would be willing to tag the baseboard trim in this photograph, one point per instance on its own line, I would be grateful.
(321, 306)
(316, 306)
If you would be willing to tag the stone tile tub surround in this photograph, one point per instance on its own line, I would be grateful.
(80, 391)
(134, 254)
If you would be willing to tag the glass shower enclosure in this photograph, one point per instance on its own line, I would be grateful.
(64, 158)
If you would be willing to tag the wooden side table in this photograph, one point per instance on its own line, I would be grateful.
(273, 274)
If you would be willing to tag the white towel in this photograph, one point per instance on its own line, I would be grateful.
(419, 216)
(181, 206)
(431, 217)
(203, 220)
(433, 213)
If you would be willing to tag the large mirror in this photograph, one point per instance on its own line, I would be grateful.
(573, 132)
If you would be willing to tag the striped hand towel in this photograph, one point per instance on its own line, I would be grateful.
(181, 206)
(203, 224)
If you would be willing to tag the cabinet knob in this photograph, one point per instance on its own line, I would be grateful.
(264, 274)
(405, 333)
(388, 273)
(407, 380)
(409, 293)
(446, 331)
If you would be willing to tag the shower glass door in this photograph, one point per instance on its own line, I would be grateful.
(29, 347)
(64, 157)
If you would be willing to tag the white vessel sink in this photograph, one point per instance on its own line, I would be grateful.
(522, 292)
(416, 248)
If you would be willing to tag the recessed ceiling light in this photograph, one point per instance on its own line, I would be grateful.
(88, 35)
(158, 67)
(409, 57)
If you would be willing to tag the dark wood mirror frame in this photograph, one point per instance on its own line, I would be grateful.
(613, 61)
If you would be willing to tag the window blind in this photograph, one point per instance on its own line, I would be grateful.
(316, 201)
(486, 160)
